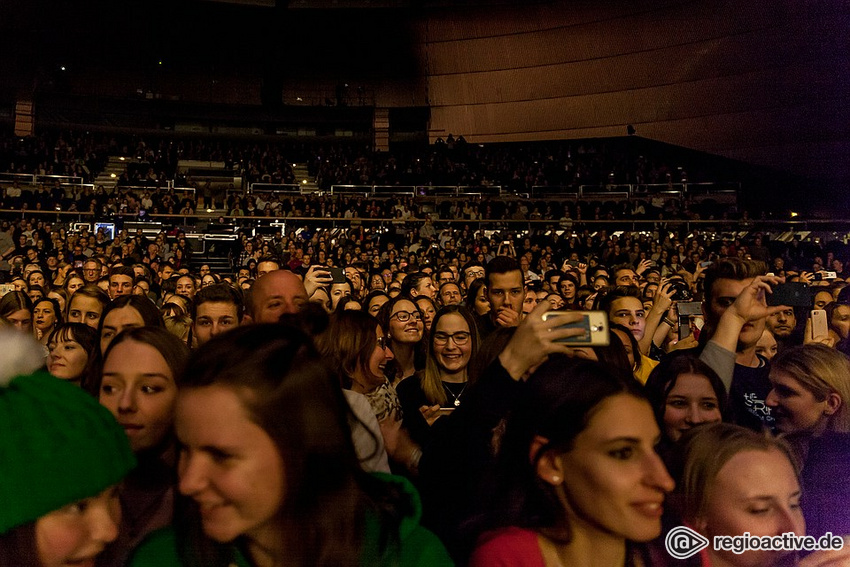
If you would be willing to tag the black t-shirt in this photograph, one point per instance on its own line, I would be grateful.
(750, 387)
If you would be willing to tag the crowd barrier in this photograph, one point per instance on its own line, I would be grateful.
(837, 227)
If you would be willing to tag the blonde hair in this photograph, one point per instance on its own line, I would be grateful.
(179, 325)
(707, 449)
(822, 371)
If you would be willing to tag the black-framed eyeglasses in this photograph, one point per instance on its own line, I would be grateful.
(460, 338)
(404, 316)
(382, 342)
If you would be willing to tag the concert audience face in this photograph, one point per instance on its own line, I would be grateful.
(276, 294)
(213, 318)
(186, 286)
(736, 481)
(840, 321)
(338, 292)
(782, 324)
(120, 284)
(139, 388)
(91, 271)
(810, 389)
(505, 293)
(626, 277)
(822, 299)
(724, 292)
(451, 343)
(116, 321)
(428, 309)
(450, 294)
(629, 312)
(766, 345)
(411, 329)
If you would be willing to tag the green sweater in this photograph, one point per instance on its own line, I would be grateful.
(417, 545)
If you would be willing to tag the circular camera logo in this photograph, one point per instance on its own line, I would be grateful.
(683, 542)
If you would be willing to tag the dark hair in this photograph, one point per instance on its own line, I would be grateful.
(348, 343)
(86, 337)
(19, 547)
(172, 309)
(558, 403)
(472, 293)
(344, 301)
(553, 272)
(730, 269)
(411, 282)
(501, 265)
(57, 312)
(269, 259)
(372, 295)
(14, 301)
(614, 356)
(173, 350)
(219, 293)
(287, 390)
(663, 379)
(604, 300)
(122, 271)
(91, 291)
(146, 308)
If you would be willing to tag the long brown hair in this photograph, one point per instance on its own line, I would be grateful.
(286, 388)
(348, 342)
(432, 385)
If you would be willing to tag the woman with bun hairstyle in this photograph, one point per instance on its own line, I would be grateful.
(63, 457)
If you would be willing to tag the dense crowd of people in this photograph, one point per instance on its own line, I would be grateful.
(517, 167)
(420, 395)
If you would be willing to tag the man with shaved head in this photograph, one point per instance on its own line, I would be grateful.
(275, 294)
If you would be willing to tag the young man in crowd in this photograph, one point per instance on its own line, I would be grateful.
(505, 291)
(218, 308)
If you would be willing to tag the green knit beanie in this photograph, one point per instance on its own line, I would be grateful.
(58, 445)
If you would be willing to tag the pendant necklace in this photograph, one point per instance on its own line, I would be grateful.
(455, 397)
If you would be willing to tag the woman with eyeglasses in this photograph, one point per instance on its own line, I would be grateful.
(406, 330)
(439, 389)
(354, 345)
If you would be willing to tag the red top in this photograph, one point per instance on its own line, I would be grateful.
(508, 547)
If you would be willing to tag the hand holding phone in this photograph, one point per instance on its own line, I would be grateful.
(594, 325)
(792, 294)
(819, 325)
(337, 275)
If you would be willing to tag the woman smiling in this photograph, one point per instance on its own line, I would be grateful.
(440, 387)
(268, 460)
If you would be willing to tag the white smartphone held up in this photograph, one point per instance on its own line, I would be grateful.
(594, 324)
(820, 328)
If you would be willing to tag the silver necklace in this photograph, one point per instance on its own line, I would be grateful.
(456, 398)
